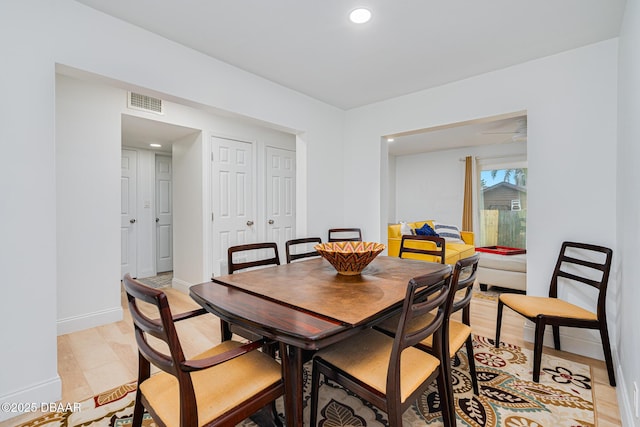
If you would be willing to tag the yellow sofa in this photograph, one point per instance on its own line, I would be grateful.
(453, 251)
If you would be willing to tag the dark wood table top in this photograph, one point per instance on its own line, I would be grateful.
(307, 304)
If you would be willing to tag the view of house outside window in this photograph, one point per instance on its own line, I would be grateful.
(503, 208)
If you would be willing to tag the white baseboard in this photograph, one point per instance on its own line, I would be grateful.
(181, 285)
(42, 393)
(89, 320)
(625, 406)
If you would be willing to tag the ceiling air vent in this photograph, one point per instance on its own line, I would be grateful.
(145, 103)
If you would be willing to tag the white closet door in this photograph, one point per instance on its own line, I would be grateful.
(280, 197)
(232, 186)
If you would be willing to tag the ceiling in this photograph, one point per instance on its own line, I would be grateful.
(311, 47)
(138, 132)
(503, 130)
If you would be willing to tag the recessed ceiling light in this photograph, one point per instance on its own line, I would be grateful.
(155, 145)
(390, 140)
(360, 16)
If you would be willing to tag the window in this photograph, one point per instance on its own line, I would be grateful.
(503, 207)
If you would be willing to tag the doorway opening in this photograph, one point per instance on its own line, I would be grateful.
(146, 232)
(426, 167)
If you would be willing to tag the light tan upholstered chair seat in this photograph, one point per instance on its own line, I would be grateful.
(458, 331)
(217, 389)
(366, 357)
(532, 306)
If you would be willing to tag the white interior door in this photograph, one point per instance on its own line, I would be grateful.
(232, 197)
(164, 215)
(280, 196)
(128, 227)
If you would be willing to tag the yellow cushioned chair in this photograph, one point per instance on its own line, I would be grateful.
(268, 256)
(294, 252)
(220, 387)
(459, 333)
(580, 264)
(390, 373)
(415, 247)
(454, 251)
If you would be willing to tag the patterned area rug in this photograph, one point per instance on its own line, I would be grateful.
(162, 280)
(508, 397)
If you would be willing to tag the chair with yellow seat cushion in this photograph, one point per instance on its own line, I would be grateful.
(265, 254)
(390, 373)
(344, 235)
(296, 249)
(222, 386)
(459, 333)
(455, 251)
(416, 246)
(579, 264)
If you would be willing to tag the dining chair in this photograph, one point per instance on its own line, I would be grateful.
(221, 386)
(345, 235)
(293, 244)
(271, 258)
(459, 332)
(415, 244)
(578, 264)
(389, 372)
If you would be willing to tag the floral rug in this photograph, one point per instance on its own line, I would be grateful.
(508, 397)
(162, 280)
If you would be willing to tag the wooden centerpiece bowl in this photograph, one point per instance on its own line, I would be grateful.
(349, 258)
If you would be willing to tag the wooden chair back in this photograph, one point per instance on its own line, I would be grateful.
(463, 278)
(436, 248)
(293, 243)
(579, 263)
(162, 328)
(425, 294)
(345, 235)
(170, 358)
(234, 266)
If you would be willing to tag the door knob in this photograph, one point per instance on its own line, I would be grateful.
(249, 223)
(270, 222)
(157, 219)
(132, 220)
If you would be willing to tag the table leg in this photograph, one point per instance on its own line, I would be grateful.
(294, 387)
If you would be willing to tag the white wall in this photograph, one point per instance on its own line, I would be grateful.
(570, 101)
(189, 200)
(88, 118)
(78, 37)
(431, 185)
(88, 204)
(628, 209)
(28, 211)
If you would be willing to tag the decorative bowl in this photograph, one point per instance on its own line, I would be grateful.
(349, 258)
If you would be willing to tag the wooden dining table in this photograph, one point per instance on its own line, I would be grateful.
(307, 305)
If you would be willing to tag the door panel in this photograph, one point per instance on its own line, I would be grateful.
(128, 227)
(164, 214)
(280, 197)
(232, 197)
